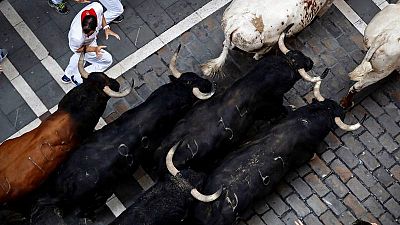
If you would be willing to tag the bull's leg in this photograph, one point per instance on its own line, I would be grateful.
(213, 66)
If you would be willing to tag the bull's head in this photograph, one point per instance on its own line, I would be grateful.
(303, 64)
(201, 88)
(174, 172)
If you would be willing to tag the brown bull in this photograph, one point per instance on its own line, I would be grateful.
(26, 161)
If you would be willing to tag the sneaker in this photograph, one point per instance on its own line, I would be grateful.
(75, 82)
(65, 79)
(3, 53)
(118, 19)
(60, 8)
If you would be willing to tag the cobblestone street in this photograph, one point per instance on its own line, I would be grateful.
(356, 175)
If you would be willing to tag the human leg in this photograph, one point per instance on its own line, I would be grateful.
(114, 10)
(72, 68)
(59, 5)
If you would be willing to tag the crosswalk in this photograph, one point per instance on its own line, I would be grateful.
(50, 64)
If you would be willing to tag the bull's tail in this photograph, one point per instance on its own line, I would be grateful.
(213, 66)
(365, 67)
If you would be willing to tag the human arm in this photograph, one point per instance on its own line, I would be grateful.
(82, 1)
(107, 30)
(88, 48)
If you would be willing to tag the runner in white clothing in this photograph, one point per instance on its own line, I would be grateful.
(82, 38)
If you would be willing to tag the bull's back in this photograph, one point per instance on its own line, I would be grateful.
(26, 161)
(387, 20)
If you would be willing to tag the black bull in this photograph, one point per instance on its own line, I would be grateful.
(255, 169)
(224, 120)
(112, 153)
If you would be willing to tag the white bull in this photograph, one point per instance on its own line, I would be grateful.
(255, 25)
(382, 38)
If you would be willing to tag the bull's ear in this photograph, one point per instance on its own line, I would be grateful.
(172, 78)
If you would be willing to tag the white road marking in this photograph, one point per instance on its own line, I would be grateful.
(34, 44)
(115, 205)
(381, 3)
(350, 15)
(143, 178)
(166, 37)
(23, 88)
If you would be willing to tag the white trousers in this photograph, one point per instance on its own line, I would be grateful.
(99, 64)
(114, 9)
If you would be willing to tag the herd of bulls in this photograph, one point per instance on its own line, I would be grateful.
(211, 161)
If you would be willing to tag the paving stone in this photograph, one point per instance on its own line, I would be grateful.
(329, 218)
(179, 10)
(141, 35)
(374, 206)
(166, 3)
(395, 171)
(50, 94)
(283, 189)
(9, 38)
(23, 59)
(298, 205)
(357, 188)
(198, 4)
(301, 188)
(353, 144)
(341, 170)
(395, 191)
(277, 204)
(310, 219)
(388, 143)
(348, 158)
(336, 186)
(365, 175)
(372, 144)
(260, 207)
(319, 167)
(385, 159)
(155, 16)
(143, 91)
(316, 205)
(37, 77)
(352, 202)
(111, 117)
(373, 126)
(33, 15)
(291, 176)
(255, 220)
(328, 156)
(370, 162)
(303, 170)
(334, 203)
(387, 122)
(7, 129)
(247, 214)
(21, 116)
(380, 98)
(271, 218)
(380, 192)
(393, 111)
(316, 184)
(372, 107)
(387, 219)
(289, 218)
(332, 140)
(54, 39)
(347, 217)
(393, 207)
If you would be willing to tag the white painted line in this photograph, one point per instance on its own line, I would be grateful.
(23, 89)
(34, 44)
(166, 37)
(352, 16)
(381, 3)
(143, 178)
(115, 205)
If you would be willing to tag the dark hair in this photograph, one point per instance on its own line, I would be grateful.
(89, 23)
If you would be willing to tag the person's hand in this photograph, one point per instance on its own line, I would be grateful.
(82, 1)
(108, 32)
(98, 50)
(80, 50)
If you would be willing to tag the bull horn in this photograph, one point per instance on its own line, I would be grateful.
(172, 64)
(81, 69)
(346, 127)
(317, 93)
(205, 198)
(203, 96)
(307, 77)
(281, 43)
(116, 94)
(168, 160)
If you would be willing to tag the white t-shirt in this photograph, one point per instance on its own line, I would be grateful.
(76, 37)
